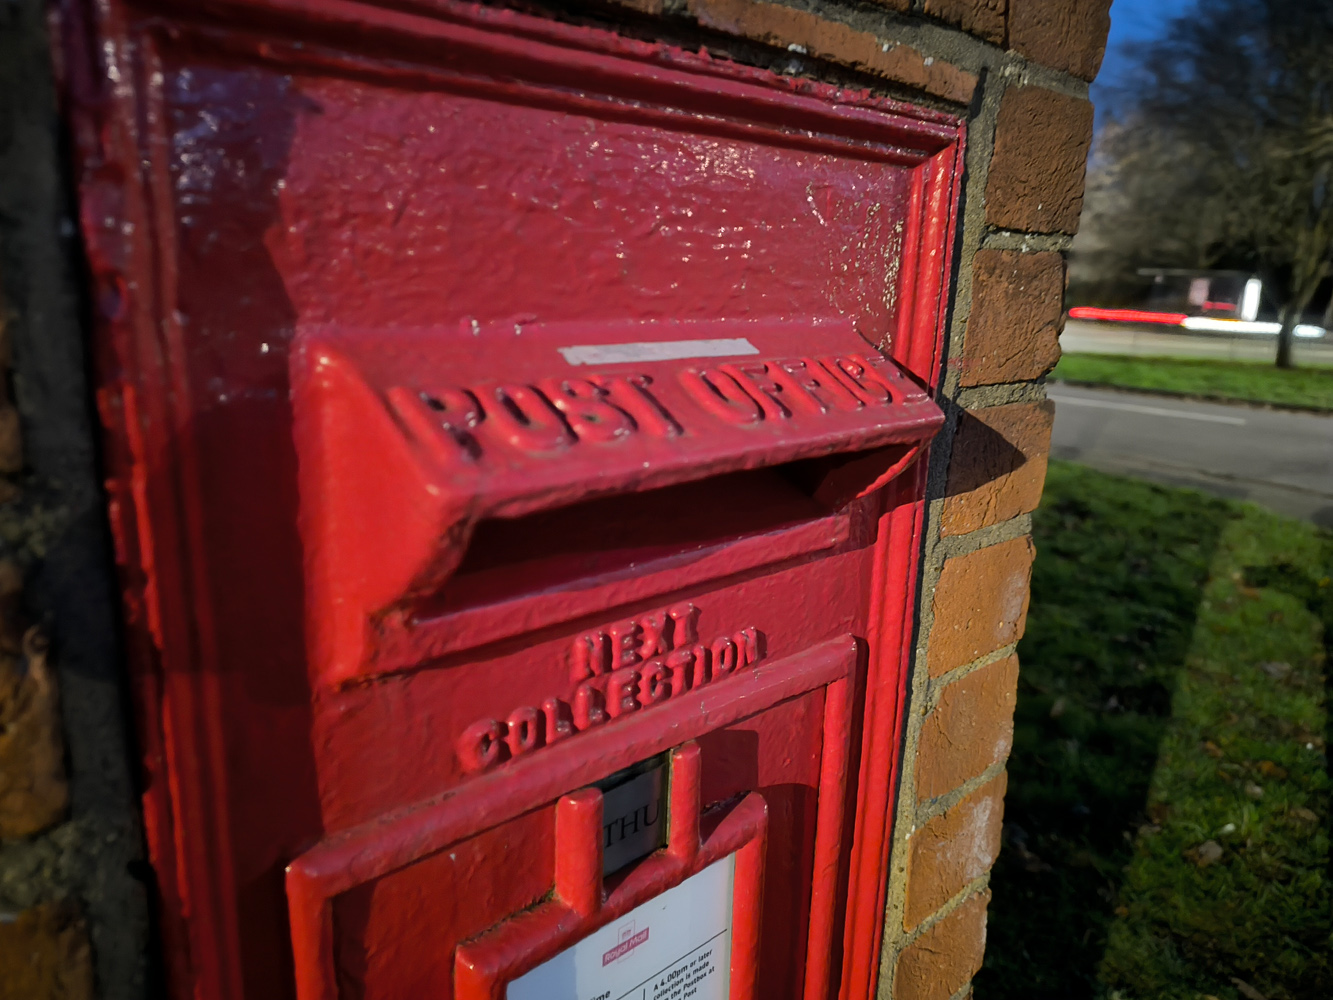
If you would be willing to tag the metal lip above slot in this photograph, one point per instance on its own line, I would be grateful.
(409, 439)
(403, 644)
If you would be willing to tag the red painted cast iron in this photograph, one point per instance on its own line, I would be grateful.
(494, 404)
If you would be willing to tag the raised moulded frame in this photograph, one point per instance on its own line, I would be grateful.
(110, 52)
(360, 855)
(484, 967)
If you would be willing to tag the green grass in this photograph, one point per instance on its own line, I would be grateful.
(1232, 380)
(1172, 696)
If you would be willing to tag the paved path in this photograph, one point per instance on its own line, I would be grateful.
(1114, 338)
(1276, 458)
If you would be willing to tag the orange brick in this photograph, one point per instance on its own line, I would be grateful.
(980, 604)
(984, 18)
(774, 24)
(944, 959)
(998, 466)
(1068, 35)
(1013, 333)
(971, 729)
(1041, 151)
(11, 442)
(902, 6)
(952, 850)
(33, 791)
(44, 955)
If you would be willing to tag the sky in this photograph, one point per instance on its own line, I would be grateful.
(1132, 21)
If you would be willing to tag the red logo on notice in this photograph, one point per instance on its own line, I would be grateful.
(625, 947)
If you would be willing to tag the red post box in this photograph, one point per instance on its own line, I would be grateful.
(513, 433)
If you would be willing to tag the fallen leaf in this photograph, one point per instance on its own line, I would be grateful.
(1254, 791)
(1122, 911)
(1276, 669)
(1205, 854)
(1031, 862)
(1305, 815)
(1246, 990)
(1058, 709)
(1270, 770)
(1212, 749)
(1016, 840)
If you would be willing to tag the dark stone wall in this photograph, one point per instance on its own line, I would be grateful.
(55, 531)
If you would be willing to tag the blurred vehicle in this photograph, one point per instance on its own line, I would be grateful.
(1225, 302)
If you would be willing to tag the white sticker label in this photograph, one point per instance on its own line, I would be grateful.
(676, 946)
(658, 350)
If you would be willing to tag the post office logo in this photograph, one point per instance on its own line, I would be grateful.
(629, 940)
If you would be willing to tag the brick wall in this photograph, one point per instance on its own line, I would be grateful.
(1021, 69)
(1030, 133)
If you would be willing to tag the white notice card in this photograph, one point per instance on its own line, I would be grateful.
(676, 946)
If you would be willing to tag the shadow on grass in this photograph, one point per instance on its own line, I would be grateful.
(1115, 591)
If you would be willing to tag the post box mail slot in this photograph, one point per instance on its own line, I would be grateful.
(515, 435)
(409, 439)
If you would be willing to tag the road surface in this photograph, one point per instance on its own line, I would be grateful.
(1277, 458)
(1115, 338)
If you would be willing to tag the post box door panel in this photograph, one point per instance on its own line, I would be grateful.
(463, 895)
(495, 404)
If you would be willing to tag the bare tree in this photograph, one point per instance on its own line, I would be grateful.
(1222, 149)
